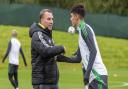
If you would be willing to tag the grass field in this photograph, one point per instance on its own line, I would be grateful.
(114, 52)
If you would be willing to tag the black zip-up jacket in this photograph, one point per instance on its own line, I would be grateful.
(44, 54)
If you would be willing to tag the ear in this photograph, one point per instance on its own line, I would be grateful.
(41, 20)
(77, 17)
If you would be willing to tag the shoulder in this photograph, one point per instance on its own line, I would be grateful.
(18, 42)
(89, 29)
(38, 35)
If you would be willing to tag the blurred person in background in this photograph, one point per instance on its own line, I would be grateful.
(13, 50)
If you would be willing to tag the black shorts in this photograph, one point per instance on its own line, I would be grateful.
(12, 69)
(95, 84)
(45, 86)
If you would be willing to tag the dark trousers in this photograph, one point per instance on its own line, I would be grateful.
(45, 87)
(13, 74)
(95, 84)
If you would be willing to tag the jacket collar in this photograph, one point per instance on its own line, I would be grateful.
(41, 25)
(45, 30)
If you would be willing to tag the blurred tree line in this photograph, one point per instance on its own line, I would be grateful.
(119, 7)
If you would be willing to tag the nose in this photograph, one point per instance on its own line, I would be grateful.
(70, 19)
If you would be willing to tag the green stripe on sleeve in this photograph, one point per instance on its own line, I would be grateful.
(98, 78)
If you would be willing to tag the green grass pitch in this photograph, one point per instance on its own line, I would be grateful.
(114, 53)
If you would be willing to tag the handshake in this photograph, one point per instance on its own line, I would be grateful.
(64, 50)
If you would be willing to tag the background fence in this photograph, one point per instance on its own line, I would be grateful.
(25, 15)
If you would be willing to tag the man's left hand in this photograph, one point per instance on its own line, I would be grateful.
(86, 80)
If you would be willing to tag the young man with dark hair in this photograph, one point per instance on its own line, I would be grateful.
(14, 47)
(94, 71)
(44, 53)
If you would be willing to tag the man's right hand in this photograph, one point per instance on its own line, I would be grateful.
(64, 49)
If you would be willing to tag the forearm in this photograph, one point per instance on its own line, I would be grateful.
(90, 63)
(44, 49)
(61, 58)
(22, 54)
(53, 51)
(7, 52)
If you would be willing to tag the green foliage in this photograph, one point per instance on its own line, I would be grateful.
(119, 7)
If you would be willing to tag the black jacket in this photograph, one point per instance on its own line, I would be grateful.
(44, 54)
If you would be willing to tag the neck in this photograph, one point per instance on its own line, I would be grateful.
(13, 37)
(82, 23)
(78, 22)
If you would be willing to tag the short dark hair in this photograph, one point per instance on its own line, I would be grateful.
(43, 11)
(78, 9)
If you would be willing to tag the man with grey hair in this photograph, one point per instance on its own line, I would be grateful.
(44, 53)
(14, 47)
